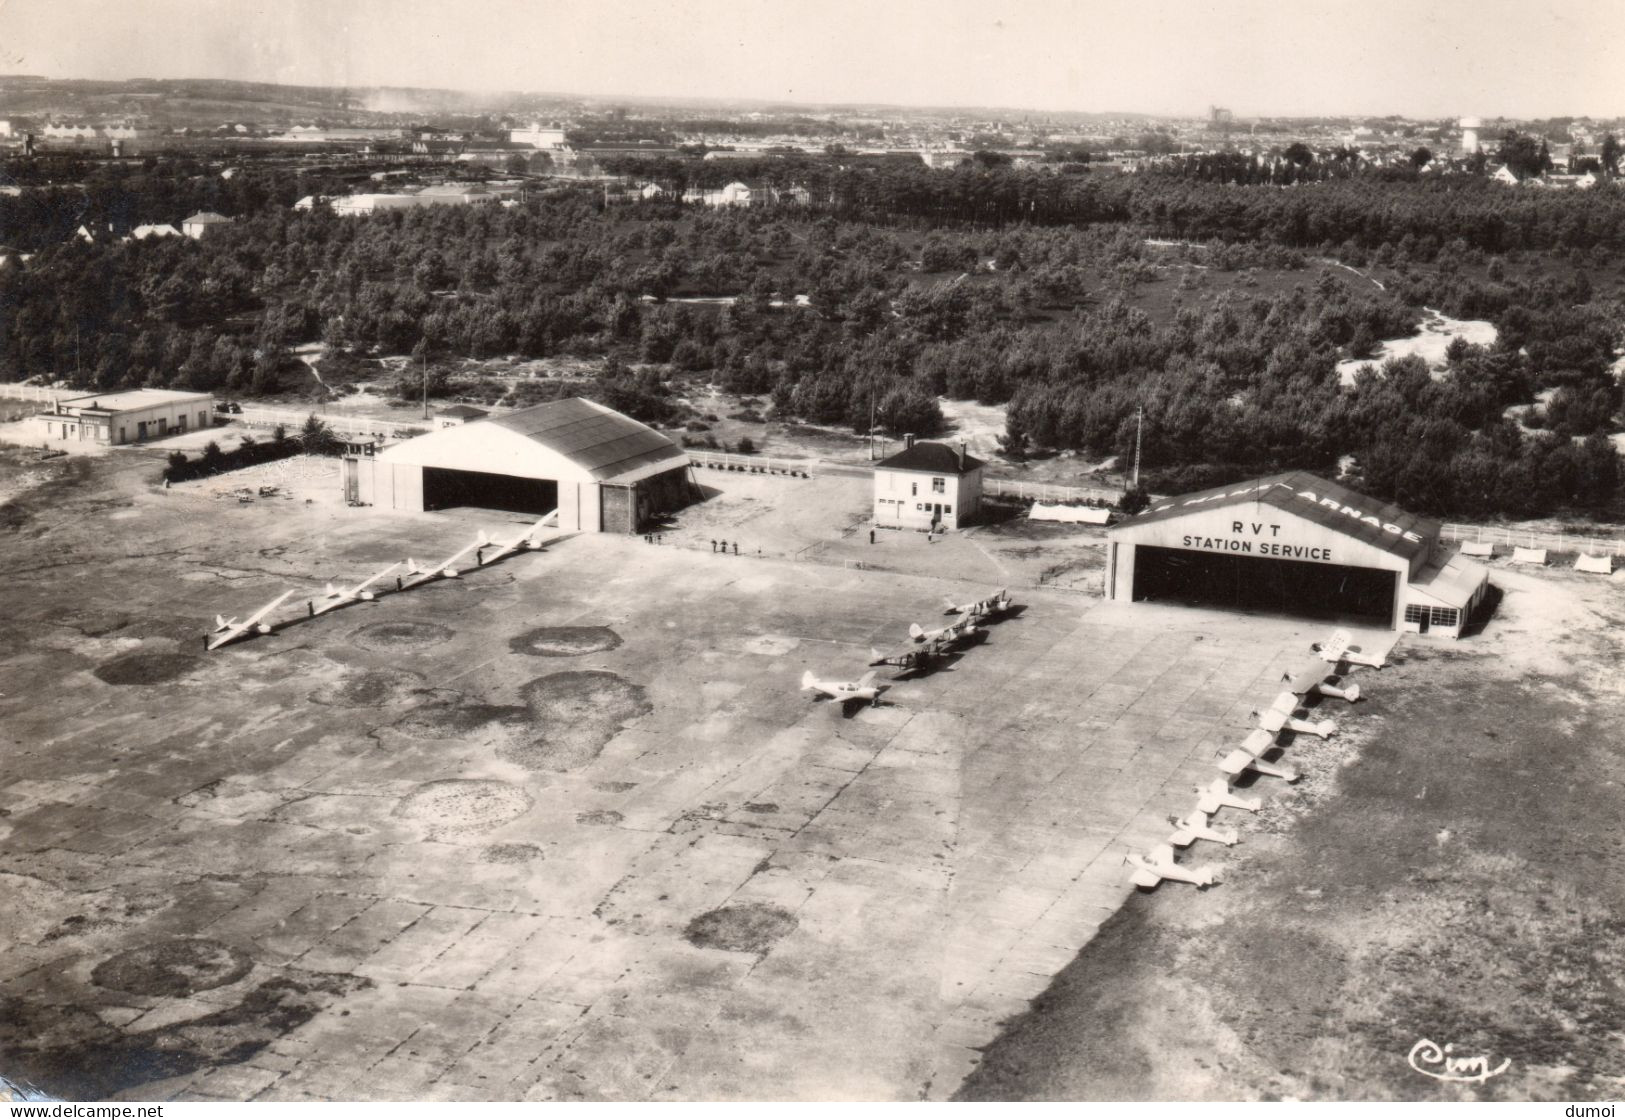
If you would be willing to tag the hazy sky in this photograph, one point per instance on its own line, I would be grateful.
(1287, 57)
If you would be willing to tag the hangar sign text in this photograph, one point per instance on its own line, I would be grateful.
(1257, 538)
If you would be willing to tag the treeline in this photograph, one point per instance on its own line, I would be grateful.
(971, 283)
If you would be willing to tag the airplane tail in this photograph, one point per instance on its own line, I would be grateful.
(953, 607)
(807, 680)
(867, 679)
(412, 568)
(331, 592)
(220, 622)
(876, 657)
(916, 632)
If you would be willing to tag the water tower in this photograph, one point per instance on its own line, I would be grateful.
(1469, 134)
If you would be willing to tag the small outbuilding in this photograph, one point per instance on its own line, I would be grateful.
(1296, 544)
(601, 470)
(459, 414)
(199, 225)
(928, 486)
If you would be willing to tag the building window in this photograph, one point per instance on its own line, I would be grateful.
(1447, 617)
(1414, 613)
(947, 509)
(1444, 616)
(914, 489)
(938, 486)
(917, 505)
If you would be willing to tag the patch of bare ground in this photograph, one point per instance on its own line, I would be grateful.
(1450, 869)
(753, 927)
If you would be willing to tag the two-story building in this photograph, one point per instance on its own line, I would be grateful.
(928, 486)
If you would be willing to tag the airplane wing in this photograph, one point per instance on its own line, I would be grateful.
(1258, 742)
(1285, 703)
(1144, 878)
(1234, 763)
(458, 555)
(1162, 853)
(370, 580)
(867, 679)
(266, 609)
(1333, 648)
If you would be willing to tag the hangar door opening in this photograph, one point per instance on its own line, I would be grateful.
(443, 488)
(1294, 587)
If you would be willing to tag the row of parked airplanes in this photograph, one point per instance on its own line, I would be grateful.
(929, 649)
(227, 630)
(1313, 678)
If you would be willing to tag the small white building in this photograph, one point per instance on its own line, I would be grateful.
(928, 486)
(130, 416)
(164, 229)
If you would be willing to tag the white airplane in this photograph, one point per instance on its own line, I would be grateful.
(1311, 678)
(230, 630)
(996, 603)
(523, 541)
(962, 627)
(1279, 715)
(1195, 826)
(1250, 756)
(1337, 649)
(1218, 794)
(1158, 864)
(446, 569)
(339, 597)
(847, 692)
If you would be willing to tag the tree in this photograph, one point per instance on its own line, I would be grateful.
(1610, 154)
(316, 437)
(1421, 158)
(1298, 152)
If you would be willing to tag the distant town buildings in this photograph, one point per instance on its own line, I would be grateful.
(550, 138)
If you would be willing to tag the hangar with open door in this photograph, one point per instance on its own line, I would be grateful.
(1252, 583)
(1292, 544)
(601, 470)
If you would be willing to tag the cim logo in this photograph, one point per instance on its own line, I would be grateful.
(1441, 1063)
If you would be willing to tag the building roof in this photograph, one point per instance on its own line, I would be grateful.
(931, 458)
(205, 218)
(463, 411)
(130, 399)
(598, 439)
(1313, 498)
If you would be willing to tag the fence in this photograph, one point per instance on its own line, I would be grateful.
(254, 416)
(19, 392)
(1522, 538)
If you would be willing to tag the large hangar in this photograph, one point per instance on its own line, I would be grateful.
(1295, 544)
(601, 470)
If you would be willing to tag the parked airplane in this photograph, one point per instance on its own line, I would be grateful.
(1218, 794)
(230, 630)
(1196, 825)
(1153, 868)
(338, 597)
(446, 569)
(997, 603)
(958, 630)
(523, 541)
(1279, 715)
(1311, 679)
(1337, 649)
(847, 692)
(915, 659)
(1250, 756)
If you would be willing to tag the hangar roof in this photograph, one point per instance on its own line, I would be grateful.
(598, 439)
(1315, 499)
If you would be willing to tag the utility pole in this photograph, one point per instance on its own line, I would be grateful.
(1139, 428)
(425, 382)
(871, 421)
